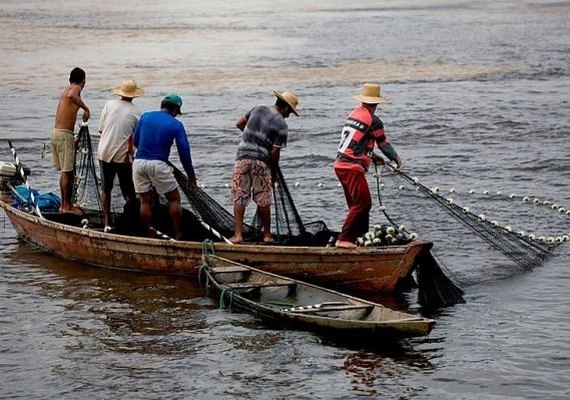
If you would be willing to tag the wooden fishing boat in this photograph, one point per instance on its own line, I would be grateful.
(381, 268)
(293, 303)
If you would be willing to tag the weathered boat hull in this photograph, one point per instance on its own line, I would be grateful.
(362, 269)
(292, 303)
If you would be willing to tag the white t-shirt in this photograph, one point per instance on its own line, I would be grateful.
(117, 124)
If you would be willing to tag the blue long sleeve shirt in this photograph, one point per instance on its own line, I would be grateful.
(154, 135)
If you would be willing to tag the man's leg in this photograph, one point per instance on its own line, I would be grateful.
(262, 189)
(359, 203)
(66, 159)
(125, 174)
(240, 194)
(146, 210)
(175, 211)
(106, 200)
(107, 178)
(66, 188)
(239, 212)
(265, 214)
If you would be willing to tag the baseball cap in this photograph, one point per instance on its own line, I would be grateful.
(173, 98)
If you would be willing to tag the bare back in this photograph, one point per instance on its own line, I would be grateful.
(67, 108)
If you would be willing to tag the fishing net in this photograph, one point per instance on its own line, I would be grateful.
(457, 231)
(474, 226)
(287, 225)
(207, 209)
(86, 185)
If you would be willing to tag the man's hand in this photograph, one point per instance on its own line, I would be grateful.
(192, 183)
(398, 162)
(86, 115)
(377, 158)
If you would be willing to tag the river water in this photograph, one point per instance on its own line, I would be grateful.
(479, 99)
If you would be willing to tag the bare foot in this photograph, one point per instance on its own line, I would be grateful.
(73, 210)
(236, 239)
(267, 239)
(345, 245)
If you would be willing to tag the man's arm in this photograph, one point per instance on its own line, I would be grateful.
(185, 155)
(136, 134)
(74, 95)
(390, 152)
(241, 123)
(102, 118)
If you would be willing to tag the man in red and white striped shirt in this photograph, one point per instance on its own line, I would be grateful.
(355, 153)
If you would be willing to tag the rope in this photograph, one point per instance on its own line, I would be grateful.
(208, 247)
(230, 293)
(382, 208)
(203, 280)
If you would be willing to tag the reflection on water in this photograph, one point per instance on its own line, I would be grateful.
(122, 317)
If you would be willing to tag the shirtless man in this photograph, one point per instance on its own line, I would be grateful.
(62, 138)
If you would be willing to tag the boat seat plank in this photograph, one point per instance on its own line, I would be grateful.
(253, 285)
(332, 308)
(229, 270)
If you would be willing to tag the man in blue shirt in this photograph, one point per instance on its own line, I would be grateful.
(153, 138)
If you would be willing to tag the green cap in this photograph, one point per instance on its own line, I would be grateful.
(173, 98)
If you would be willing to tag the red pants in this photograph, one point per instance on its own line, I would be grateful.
(359, 203)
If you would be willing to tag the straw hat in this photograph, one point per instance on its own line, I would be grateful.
(290, 99)
(370, 94)
(129, 89)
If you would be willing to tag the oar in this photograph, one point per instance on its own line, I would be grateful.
(159, 234)
(25, 179)
(214, 232)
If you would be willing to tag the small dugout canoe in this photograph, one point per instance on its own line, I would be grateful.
(293, 303)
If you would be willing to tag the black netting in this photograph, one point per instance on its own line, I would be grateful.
(209, 210)
(427, 211)
(86, 187)
(456, 231)
(287, 226)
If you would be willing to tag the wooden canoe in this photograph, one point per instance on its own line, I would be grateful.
(374, 269)
(293, 303)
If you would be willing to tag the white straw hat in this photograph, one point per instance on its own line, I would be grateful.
(129, 89)
(371, 94)
(290, 99)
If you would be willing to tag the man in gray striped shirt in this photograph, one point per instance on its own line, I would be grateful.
(264, 135)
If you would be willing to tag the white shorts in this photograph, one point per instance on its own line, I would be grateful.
(149, 173)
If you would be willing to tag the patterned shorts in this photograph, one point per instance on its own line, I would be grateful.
(251, 180)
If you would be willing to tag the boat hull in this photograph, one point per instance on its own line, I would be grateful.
(362, 269)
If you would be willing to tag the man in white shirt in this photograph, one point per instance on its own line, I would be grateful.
(115, 151)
